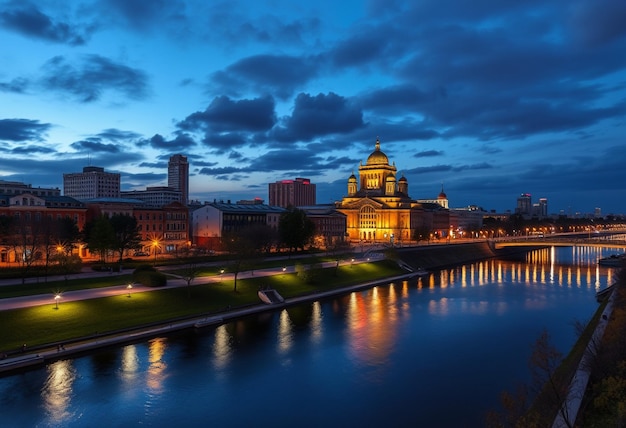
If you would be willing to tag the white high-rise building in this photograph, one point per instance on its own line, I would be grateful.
(92, 183)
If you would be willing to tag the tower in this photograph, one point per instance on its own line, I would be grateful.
(178, 176)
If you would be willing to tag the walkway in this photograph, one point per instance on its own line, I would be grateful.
(53, 353)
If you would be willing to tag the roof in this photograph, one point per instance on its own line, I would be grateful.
(246, 208)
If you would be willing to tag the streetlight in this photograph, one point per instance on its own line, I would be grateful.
(56, 301)
(129, 287)
(155, 244)
(221, 273)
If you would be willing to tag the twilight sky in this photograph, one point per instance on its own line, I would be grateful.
(489, 98)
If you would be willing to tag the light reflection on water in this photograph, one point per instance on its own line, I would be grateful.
(396, 338)
(57, 392)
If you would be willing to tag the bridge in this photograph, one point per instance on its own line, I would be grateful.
(602, 239)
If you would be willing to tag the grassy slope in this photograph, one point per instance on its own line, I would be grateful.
(46, 324)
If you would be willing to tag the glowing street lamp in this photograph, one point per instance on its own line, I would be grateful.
(221, 273)
(155, 244)
(56, 301)
(129, 287)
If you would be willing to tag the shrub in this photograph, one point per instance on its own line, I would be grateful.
(149, 276)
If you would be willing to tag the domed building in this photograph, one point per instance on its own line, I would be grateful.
(378, 207)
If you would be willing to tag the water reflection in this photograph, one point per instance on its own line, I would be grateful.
(285, 333)
(157, 368)
(372, 319)
(57, 391)
(222, 349)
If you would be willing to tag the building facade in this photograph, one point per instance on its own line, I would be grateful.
(294, 193)
(93, 182)
(330, 225)
(32, 225)
(154, 197)
(178, 176)
(212, 220)
(17, 187)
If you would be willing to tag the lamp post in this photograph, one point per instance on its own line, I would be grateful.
(56, 301)
(129, 287)
(221, 273)
(155, 244)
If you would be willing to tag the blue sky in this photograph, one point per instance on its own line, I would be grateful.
(489, 98)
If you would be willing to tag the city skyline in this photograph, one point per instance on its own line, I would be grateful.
(488, 99)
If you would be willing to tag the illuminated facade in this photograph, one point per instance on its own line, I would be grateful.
(378, 207)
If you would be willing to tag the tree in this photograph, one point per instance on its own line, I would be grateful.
(100, 236)
(190, 267)
(126, 235)
(295, 229)
(241, 251)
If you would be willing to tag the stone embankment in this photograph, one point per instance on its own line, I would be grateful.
(441, 256)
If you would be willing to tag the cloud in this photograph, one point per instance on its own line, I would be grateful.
(594, 23)
(92, 76)
(31, 150)
(276, 74)
(113, 134)
(428, 153)
(94, 145)
(28, 20)
(18, 85)
(227, 115)
(318, 116)
(181, 142)
(23, 130)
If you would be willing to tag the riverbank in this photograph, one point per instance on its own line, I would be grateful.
(430, 257)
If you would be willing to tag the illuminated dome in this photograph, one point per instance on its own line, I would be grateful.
(377, 157)
(403, 179)
(442, 195)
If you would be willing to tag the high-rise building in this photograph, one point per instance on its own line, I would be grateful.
(524, 204)
(295, 193)
(92, 183)
(178, 176)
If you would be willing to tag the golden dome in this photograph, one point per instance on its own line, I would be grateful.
(377, 157)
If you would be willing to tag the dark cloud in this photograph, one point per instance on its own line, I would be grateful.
(227, 115)
(94, 145)
(428, 153)
(181, 142)
(26, 19)
(18, 85)
(155, 165)
(22, 130)
(318, 116)
(594, 23)
(31, 150)
(276, 74)
(92, 76)
(113, 134)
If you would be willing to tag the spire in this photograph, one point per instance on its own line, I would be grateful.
(377, 144)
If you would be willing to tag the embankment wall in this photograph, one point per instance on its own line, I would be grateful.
(440, 256)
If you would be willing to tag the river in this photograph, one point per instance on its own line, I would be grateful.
(433, 352)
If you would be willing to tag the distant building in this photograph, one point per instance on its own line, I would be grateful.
(524, 205)
(212, 220)
(33, 221)
(162, 230)
(442, 199)
(17, 187)
(540, 209)
(93, 182)
(178, 176)
(330, 224)
(155, 197)
(295, 193)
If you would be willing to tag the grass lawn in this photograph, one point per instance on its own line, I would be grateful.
(72, 320)
(54, 287)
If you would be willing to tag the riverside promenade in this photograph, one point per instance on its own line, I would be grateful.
(41, 355)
